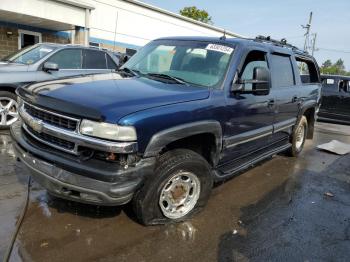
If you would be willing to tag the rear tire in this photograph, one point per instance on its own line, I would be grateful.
(8, 109)
(179, 188)
(298, 137)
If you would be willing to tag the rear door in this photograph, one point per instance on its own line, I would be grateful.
(286, 94)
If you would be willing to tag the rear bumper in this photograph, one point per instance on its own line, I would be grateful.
(72, 186)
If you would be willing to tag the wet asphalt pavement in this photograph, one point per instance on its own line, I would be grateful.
(276, 211)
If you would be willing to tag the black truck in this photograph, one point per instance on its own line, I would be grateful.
(335, 106)
(180, 115)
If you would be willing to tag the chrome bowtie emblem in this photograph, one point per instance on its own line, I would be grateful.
(37, 125)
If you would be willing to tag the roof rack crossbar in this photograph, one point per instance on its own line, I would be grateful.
(281, 43)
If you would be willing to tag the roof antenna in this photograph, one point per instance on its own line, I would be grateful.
(224, 36)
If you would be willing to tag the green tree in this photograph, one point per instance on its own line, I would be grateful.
(338, 68)
(327, 63)
(340, 65)
(196, 14)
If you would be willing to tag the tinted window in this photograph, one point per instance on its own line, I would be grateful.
(94, 59)
(282, 73)
(343, 85)
(67, 59)
(110, 63)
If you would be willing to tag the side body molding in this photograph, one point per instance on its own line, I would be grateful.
(165, 137)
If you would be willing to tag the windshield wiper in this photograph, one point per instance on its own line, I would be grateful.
(129, 71)
(169, 77)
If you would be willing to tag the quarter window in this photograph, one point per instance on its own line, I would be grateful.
(307, 71)
(67, 59)
(282, 73)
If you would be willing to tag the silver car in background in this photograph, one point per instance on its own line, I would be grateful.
(43, 62)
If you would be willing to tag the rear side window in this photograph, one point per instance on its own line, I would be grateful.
(282, 71)
(67, 59)
(93, 59)
(307, 71)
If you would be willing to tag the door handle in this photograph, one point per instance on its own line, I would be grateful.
(271, 103)
(295, 99)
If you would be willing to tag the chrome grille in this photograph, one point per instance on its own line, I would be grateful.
(51, 139)
(41, 125)
(51, 118)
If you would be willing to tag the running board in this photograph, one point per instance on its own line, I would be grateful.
(224, 175)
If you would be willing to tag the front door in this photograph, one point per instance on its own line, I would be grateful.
(76, 61)
(251, 121)
(69, 61)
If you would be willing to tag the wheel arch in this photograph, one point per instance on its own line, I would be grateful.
(8, 87)
(309, 111)
(188, 132)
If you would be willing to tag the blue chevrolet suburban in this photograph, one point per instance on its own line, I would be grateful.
(180, 115)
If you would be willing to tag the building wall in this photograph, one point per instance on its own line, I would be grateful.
(130, 24)
(113, 24)
(53, 38)
(9, 42)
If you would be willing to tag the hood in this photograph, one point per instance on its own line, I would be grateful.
(12, 67)
(108, 97)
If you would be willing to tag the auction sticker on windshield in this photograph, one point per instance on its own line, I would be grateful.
(220, 48)
(46, 50)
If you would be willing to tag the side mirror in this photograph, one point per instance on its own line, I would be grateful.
(259, 85)
(48, 66)
(261, 81)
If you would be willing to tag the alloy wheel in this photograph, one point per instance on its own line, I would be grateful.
(8, 111)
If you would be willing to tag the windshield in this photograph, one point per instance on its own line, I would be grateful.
(30, 54)
(194, 62)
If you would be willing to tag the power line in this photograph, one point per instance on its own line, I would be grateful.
(334, 50)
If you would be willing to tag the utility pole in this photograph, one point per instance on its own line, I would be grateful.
(307, 34)
(314, 44)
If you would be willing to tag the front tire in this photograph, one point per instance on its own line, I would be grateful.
(179, 188)
(8, 109)
(298, 137)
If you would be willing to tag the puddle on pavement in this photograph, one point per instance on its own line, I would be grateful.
(58, 230)
(12, 191)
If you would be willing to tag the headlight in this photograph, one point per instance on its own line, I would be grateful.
(108, 131)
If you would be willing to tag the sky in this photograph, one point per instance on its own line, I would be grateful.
(280, 19)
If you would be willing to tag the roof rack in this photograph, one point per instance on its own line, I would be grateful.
(281, 43)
